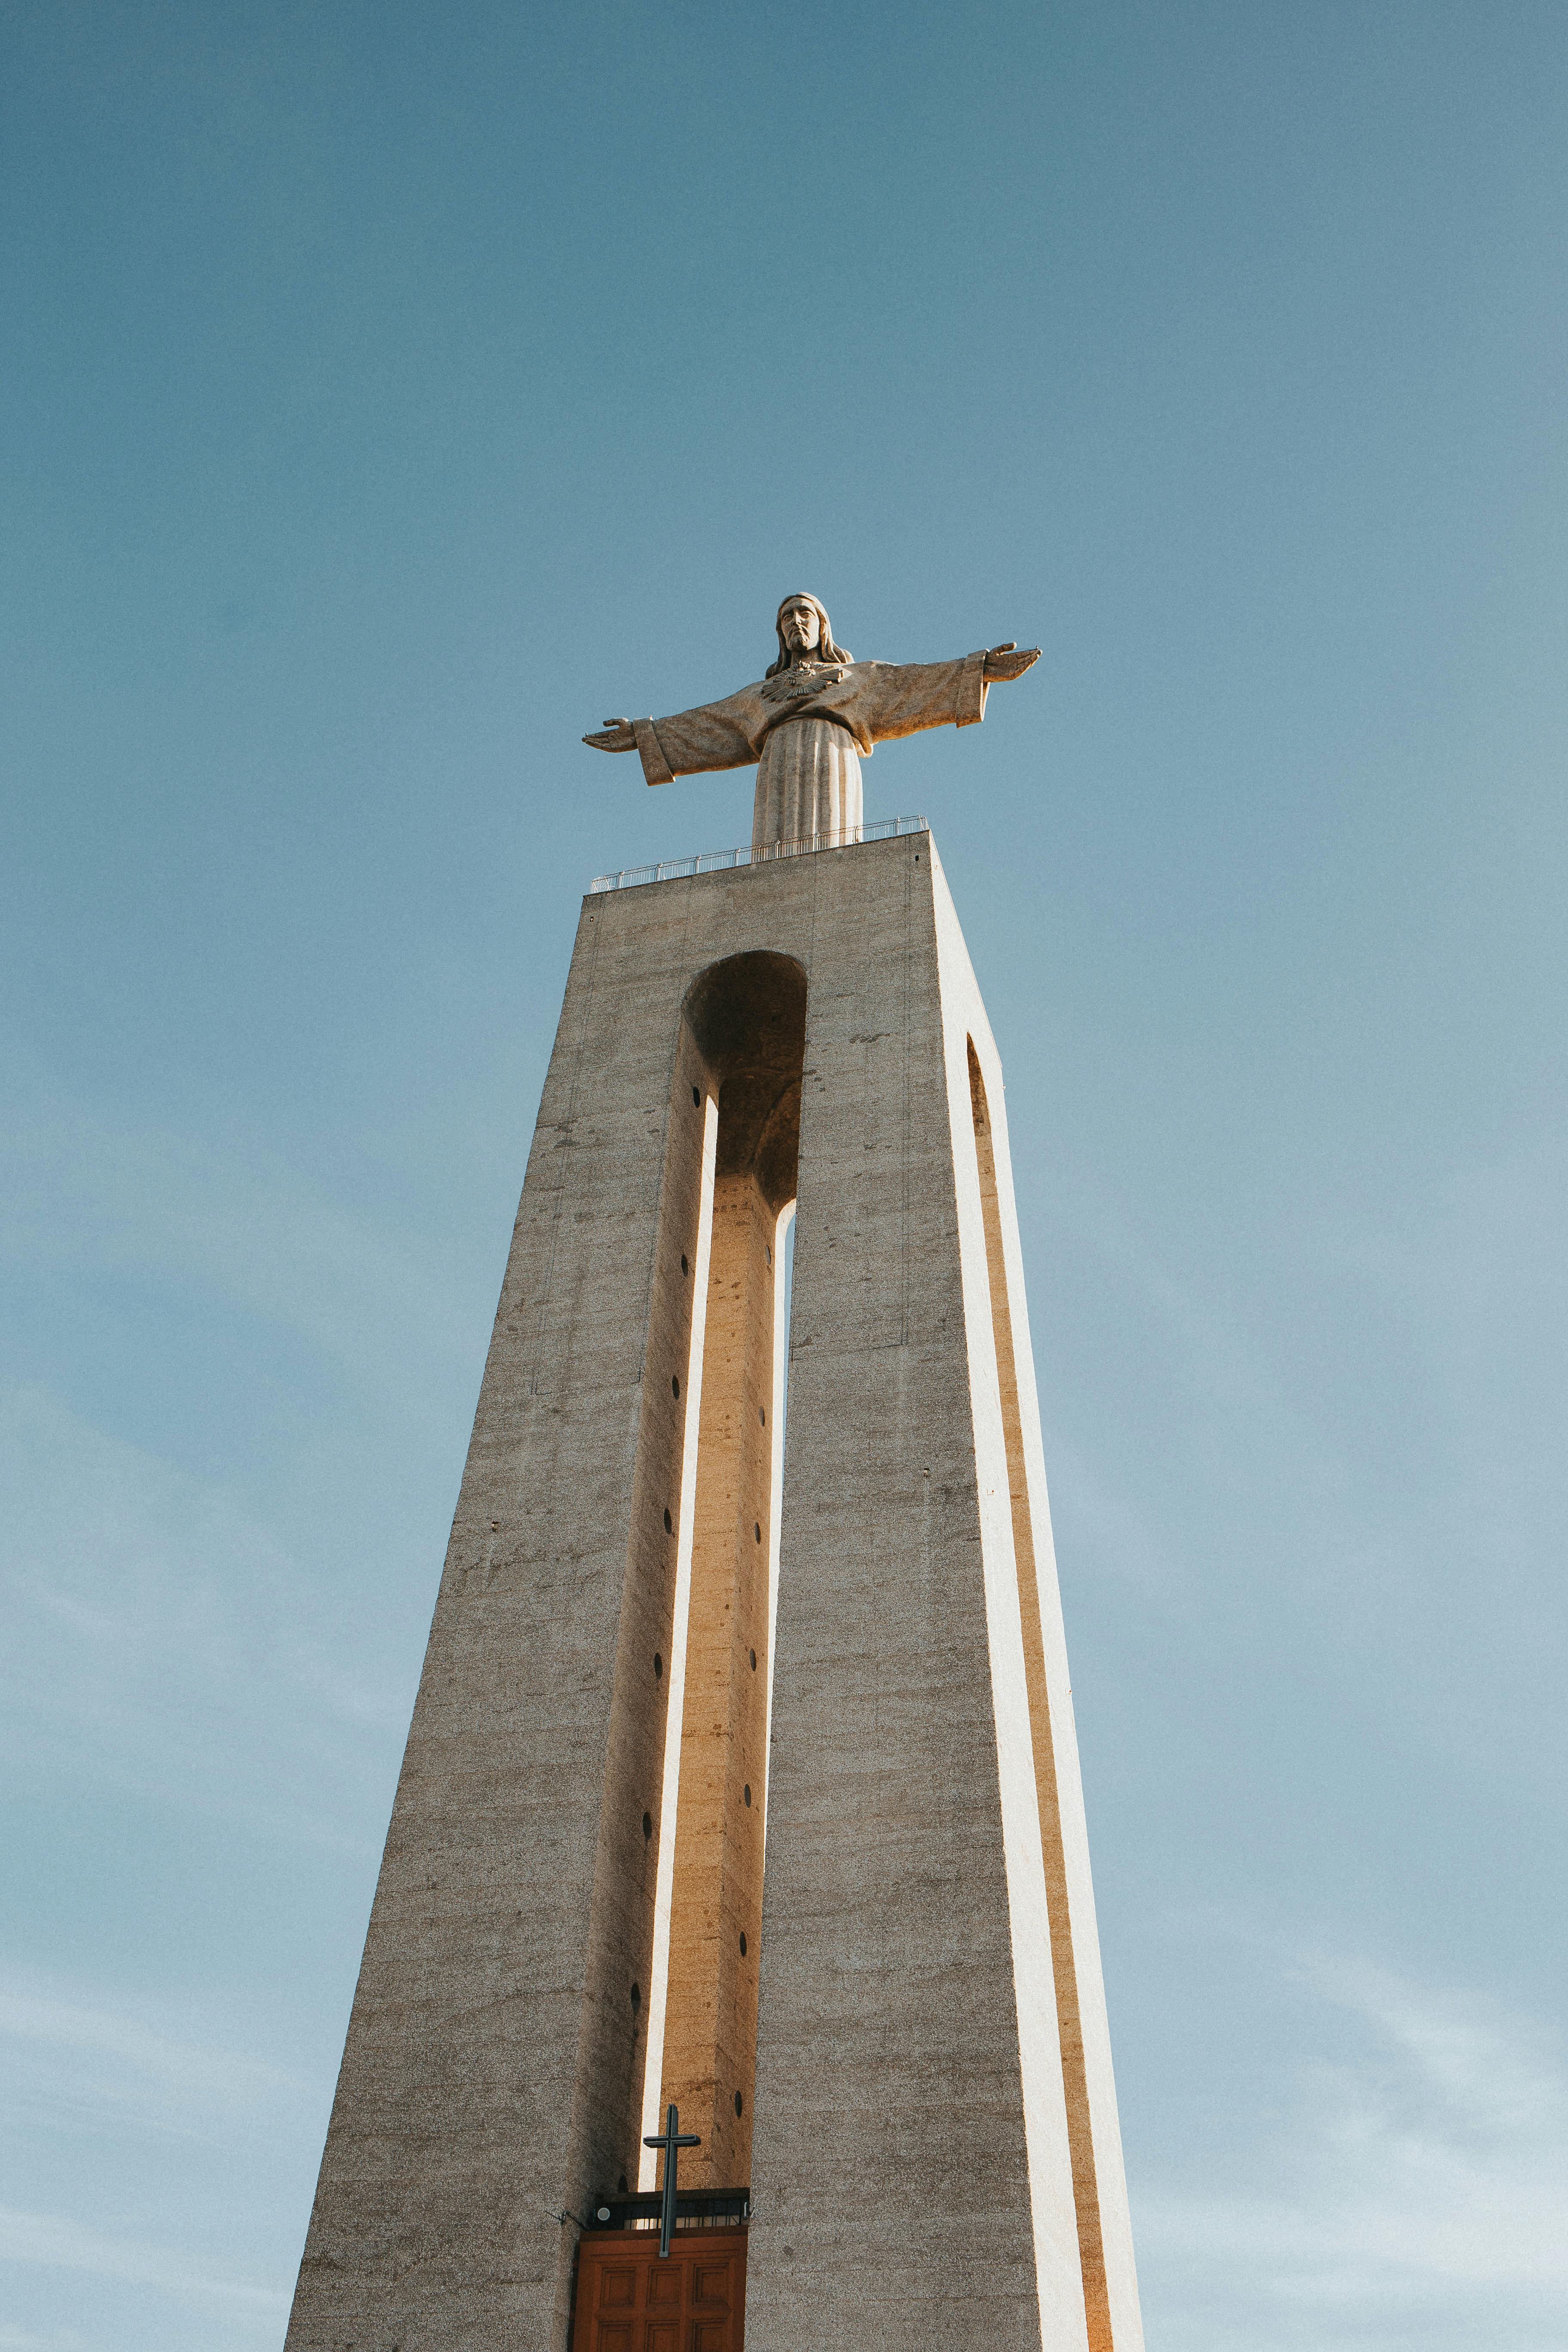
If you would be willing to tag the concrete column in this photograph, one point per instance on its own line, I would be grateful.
(932, 2124)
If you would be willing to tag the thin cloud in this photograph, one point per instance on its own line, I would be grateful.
(88, 1188)
(54, 2242)
(98, 2033)
(79, 2067)
(1422, 2181)
(164, 1640)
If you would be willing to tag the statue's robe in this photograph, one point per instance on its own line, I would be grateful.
(807, 729)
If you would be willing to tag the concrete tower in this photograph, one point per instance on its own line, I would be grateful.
(742, 1774)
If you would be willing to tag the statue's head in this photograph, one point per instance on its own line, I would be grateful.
(805, 634)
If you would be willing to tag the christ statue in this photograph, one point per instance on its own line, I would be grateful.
(806, 724)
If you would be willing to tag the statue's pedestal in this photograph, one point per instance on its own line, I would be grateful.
(908, 2061)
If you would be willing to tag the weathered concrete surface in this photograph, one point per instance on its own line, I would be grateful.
(914, 2157)
(910, 2170)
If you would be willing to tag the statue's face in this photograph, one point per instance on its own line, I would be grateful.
(802, 629)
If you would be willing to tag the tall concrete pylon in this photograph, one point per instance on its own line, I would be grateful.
(674, 1642)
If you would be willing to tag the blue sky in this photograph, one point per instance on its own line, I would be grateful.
(393, 392)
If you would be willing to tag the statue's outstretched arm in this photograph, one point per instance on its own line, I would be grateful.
(905, 697)
(713, 736)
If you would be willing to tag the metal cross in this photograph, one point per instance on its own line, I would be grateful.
(670, 2139)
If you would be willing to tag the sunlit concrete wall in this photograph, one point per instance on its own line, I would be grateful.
(918, 2157)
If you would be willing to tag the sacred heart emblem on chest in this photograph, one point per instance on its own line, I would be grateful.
(804, 677)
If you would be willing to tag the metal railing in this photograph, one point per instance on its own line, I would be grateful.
(698, 2209)
(716, 861)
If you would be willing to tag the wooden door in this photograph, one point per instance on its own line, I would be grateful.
(630, 2301)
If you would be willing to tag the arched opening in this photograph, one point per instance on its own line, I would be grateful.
(745, 1019)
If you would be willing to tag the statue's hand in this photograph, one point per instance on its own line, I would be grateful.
(1005, 662)
(618, 736)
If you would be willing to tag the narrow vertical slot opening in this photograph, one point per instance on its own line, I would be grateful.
(684, 1520)
(784, 1303)
(747, 1018)
(1086, 2192)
